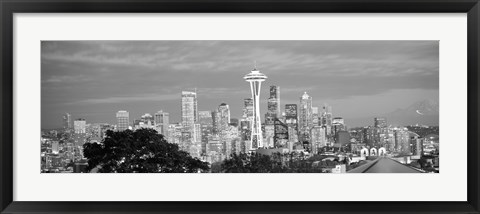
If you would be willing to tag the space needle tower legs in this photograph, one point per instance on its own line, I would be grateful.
(255, 78)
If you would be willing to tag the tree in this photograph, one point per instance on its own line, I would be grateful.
(142, 151)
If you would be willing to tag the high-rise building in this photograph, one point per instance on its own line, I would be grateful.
(338, 124)
(280, 138)
(315, 116)
(215, 122)
(79, 126)
(122, 120)
(326, 119)
(305, 121)
(273, 104)
(291, 119)
(291, 116)
(206, 125)
(380, 130)
(255, 78)
(318, 139)
(402, 140)
(275, 94)
(248, 108)
(205, 118)
(161, 122)
(67, 121)
(224, 115)
(197, 133)
(189, 109)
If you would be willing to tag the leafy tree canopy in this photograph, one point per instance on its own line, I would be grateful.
(141, 151)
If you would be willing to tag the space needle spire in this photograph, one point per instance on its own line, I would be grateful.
(255, 78)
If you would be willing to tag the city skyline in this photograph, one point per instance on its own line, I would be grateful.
(309, 136)
(104, 85)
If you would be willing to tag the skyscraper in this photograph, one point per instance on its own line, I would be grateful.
(291, 119)
(275, 94)
(215, 122)
(67, 121)
(305, 121)
(248, 108)
(315, 116)
(189, 109)
(161, 122)
(273, 104)
(205, 118)
(255, 78)
(326, 119)
(224, 116)
(380, 130)
(280, 134)
(206, 127)
(338, 124)
(122, 120)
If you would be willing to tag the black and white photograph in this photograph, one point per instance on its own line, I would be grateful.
(240, 106)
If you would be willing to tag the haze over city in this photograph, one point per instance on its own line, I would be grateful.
(359, 79)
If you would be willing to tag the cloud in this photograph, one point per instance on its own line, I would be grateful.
(65, 79)
(142, 74)
(127, 99)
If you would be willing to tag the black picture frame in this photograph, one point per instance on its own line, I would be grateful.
(9, 7)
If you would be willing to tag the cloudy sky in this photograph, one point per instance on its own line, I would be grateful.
(95, 79)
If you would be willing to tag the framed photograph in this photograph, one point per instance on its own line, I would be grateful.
(239, 106)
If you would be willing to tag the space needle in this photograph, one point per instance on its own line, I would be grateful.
(255, 78)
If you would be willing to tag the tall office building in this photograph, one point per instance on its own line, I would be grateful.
(326, 118)
(291, 119)
(318, 137)
(380, 130)
(205, 118)
(79, 126)
(224, 116)
(273, 104)
(122, 120)
(315, 116)
(67, 121)
(305, 121)
(215, 122)
(161, 122)
(338, 124)
(189, 109)
(255, 78)
(248, 108)
(206, 125)
(280, 134)
(402, 140)
(291, 116)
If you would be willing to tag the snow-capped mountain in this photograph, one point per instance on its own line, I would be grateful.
(425, 112)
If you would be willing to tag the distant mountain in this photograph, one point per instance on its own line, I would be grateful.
(425, 112)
